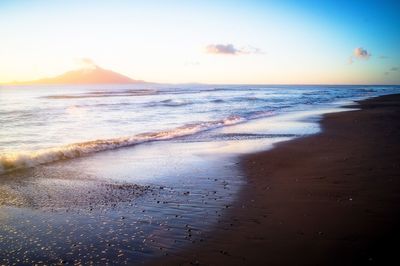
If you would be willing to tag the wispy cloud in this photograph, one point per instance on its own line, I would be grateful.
(86, 63)
(350, 60)
(192, 63)
(230, 49)
(383, 57)
(393, 69)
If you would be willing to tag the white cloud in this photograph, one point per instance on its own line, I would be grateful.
(361, 53)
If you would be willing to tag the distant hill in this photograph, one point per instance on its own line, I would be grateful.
(92, 75)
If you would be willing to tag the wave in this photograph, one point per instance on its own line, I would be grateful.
(217, 101)
(103, 94)
(170, 103)
(20, 160)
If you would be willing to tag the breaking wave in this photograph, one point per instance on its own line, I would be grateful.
(20, 160)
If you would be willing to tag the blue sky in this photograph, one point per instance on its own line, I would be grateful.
(286, 42)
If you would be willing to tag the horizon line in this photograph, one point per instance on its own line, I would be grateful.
(198, 83)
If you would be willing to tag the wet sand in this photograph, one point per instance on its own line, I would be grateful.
(327, 199)
(115, 207)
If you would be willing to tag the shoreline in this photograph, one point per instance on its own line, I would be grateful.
(325, 199)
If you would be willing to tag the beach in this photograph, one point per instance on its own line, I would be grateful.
(326, 199)
(199, 133)
(248, 178)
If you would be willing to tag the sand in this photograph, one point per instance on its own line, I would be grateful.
(114, 207)
(327, 199)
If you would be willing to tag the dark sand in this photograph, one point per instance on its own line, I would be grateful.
(327, 199)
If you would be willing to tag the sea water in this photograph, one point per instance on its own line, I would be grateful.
(124, 174)
(42, 124)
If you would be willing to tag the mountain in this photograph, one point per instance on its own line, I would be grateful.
(92, 75)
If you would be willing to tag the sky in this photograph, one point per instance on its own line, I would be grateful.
(217, 42)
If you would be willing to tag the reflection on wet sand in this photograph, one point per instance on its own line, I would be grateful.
(84, 212)
(129, 205)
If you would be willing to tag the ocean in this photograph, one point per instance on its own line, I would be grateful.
(43, 124)
(124, 174)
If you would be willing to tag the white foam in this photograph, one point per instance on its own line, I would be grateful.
(13, 161)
